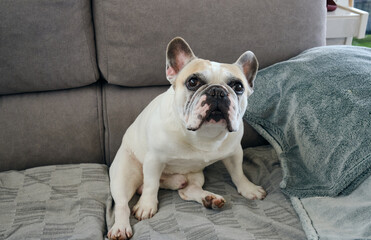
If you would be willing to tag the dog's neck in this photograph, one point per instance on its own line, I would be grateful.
(207, 138)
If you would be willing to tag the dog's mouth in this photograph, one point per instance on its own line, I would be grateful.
(218, 115)
(212, 112)
(215, 115)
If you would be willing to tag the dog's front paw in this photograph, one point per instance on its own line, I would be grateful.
(120, 232)
(144, 209)
(213, 201)
(253, 192)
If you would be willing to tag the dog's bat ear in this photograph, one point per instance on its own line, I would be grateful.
(249, 66)
(178, 54)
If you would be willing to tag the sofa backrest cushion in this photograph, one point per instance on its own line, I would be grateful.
(132, 35)
(46, 45)
(54, 127)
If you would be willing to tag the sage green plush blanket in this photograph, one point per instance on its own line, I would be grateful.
(315, 109)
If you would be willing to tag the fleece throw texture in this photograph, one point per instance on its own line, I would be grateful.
(337, 218)
(315, 109)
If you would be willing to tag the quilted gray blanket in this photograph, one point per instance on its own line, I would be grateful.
(54, 202)
(73, 202)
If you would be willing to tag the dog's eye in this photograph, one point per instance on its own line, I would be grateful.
(193, 83)
(237, 87)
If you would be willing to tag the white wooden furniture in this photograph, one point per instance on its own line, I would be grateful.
(345, 23)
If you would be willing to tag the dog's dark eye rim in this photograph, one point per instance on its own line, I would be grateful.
(237, 86)
(194, 82)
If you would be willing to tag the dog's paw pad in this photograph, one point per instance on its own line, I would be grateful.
(122, 233)
(213, 202)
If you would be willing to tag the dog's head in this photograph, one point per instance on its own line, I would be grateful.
(206, 92)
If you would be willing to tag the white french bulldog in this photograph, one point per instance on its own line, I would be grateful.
(195, 123)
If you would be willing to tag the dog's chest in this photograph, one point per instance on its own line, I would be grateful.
(192, 161)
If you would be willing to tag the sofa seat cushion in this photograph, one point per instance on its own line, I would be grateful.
(59, 201)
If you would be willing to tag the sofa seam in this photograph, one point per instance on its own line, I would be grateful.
(100, 120)
(106, 135)
(105, 39)
(98, 82)
(95, 71)
(106, 132)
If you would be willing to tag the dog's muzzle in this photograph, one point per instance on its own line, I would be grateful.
(214, 106)
(217, 98)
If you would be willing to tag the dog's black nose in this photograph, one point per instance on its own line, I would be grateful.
(217, 92)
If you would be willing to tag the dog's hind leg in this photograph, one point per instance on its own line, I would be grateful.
(173, 181)
(170, 181)
(125, 177)
(194, 192)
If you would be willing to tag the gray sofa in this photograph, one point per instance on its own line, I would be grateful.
(74, 74)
